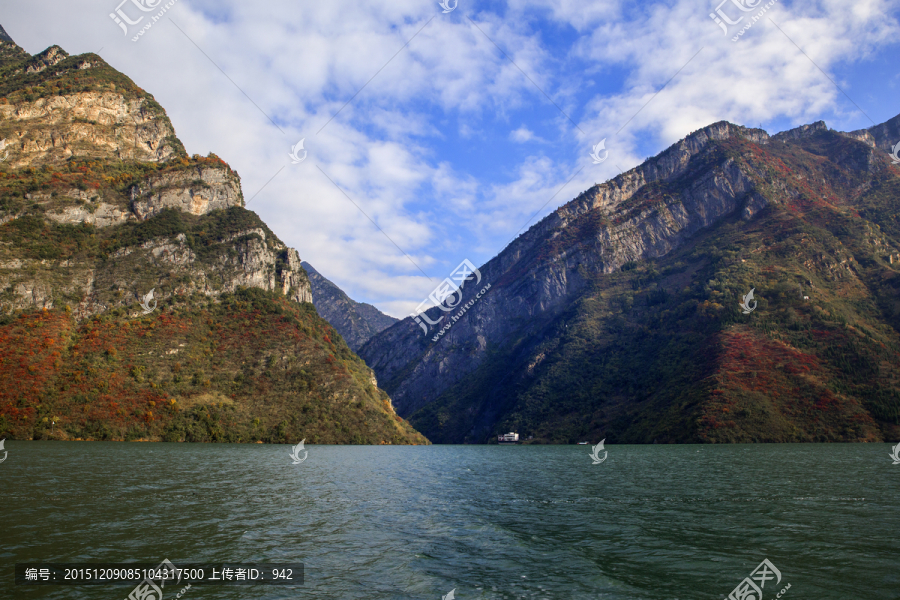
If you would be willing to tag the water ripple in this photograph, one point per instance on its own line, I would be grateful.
(534, 522)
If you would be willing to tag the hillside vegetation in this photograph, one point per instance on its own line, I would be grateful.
(253, 367)
(101, 209)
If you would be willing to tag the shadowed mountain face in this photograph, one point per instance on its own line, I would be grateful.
(619, 315)
(355, 321)
(139, 299)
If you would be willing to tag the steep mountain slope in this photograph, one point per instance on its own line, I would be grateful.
(618, 315)
(139, 299)
(10, 52)
(355, 321)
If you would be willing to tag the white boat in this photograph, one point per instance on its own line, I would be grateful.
(508, 438)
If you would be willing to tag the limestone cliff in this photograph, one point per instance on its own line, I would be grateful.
(55, 107)
(83, 147)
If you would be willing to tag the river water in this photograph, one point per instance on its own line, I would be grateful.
(650, 522)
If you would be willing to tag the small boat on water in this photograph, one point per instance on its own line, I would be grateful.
(582, 443)
(508, 438)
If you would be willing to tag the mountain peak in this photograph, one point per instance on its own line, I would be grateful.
(882, 136)
(48, 58)
(801, 132)
(10, 52)
(93, 106)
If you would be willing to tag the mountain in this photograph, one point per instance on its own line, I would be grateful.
(10, 52)
(619, 315)
(139, 299)
(885, 136)
(355, 321)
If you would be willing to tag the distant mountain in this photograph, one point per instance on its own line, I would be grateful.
(355, 321)
(139, 299)
(619, 315)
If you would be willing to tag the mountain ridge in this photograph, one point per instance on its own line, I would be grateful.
(721, 175)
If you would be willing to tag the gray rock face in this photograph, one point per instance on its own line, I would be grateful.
(49, 57)
(197, 192)
(98, 214)
(800, 132)
(884, 136)
(244, 260)
(644, 213)
(90, 124)
(357, 322)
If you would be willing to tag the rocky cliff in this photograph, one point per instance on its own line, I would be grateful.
(355, 321)
(885, 136)
(138, 298)
(575, 301)
(84, 146)
(56, 106)
(123, 258)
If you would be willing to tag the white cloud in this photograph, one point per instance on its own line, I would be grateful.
(522, 135)
(395, 148)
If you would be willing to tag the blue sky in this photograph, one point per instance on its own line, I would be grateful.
(450, 145)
